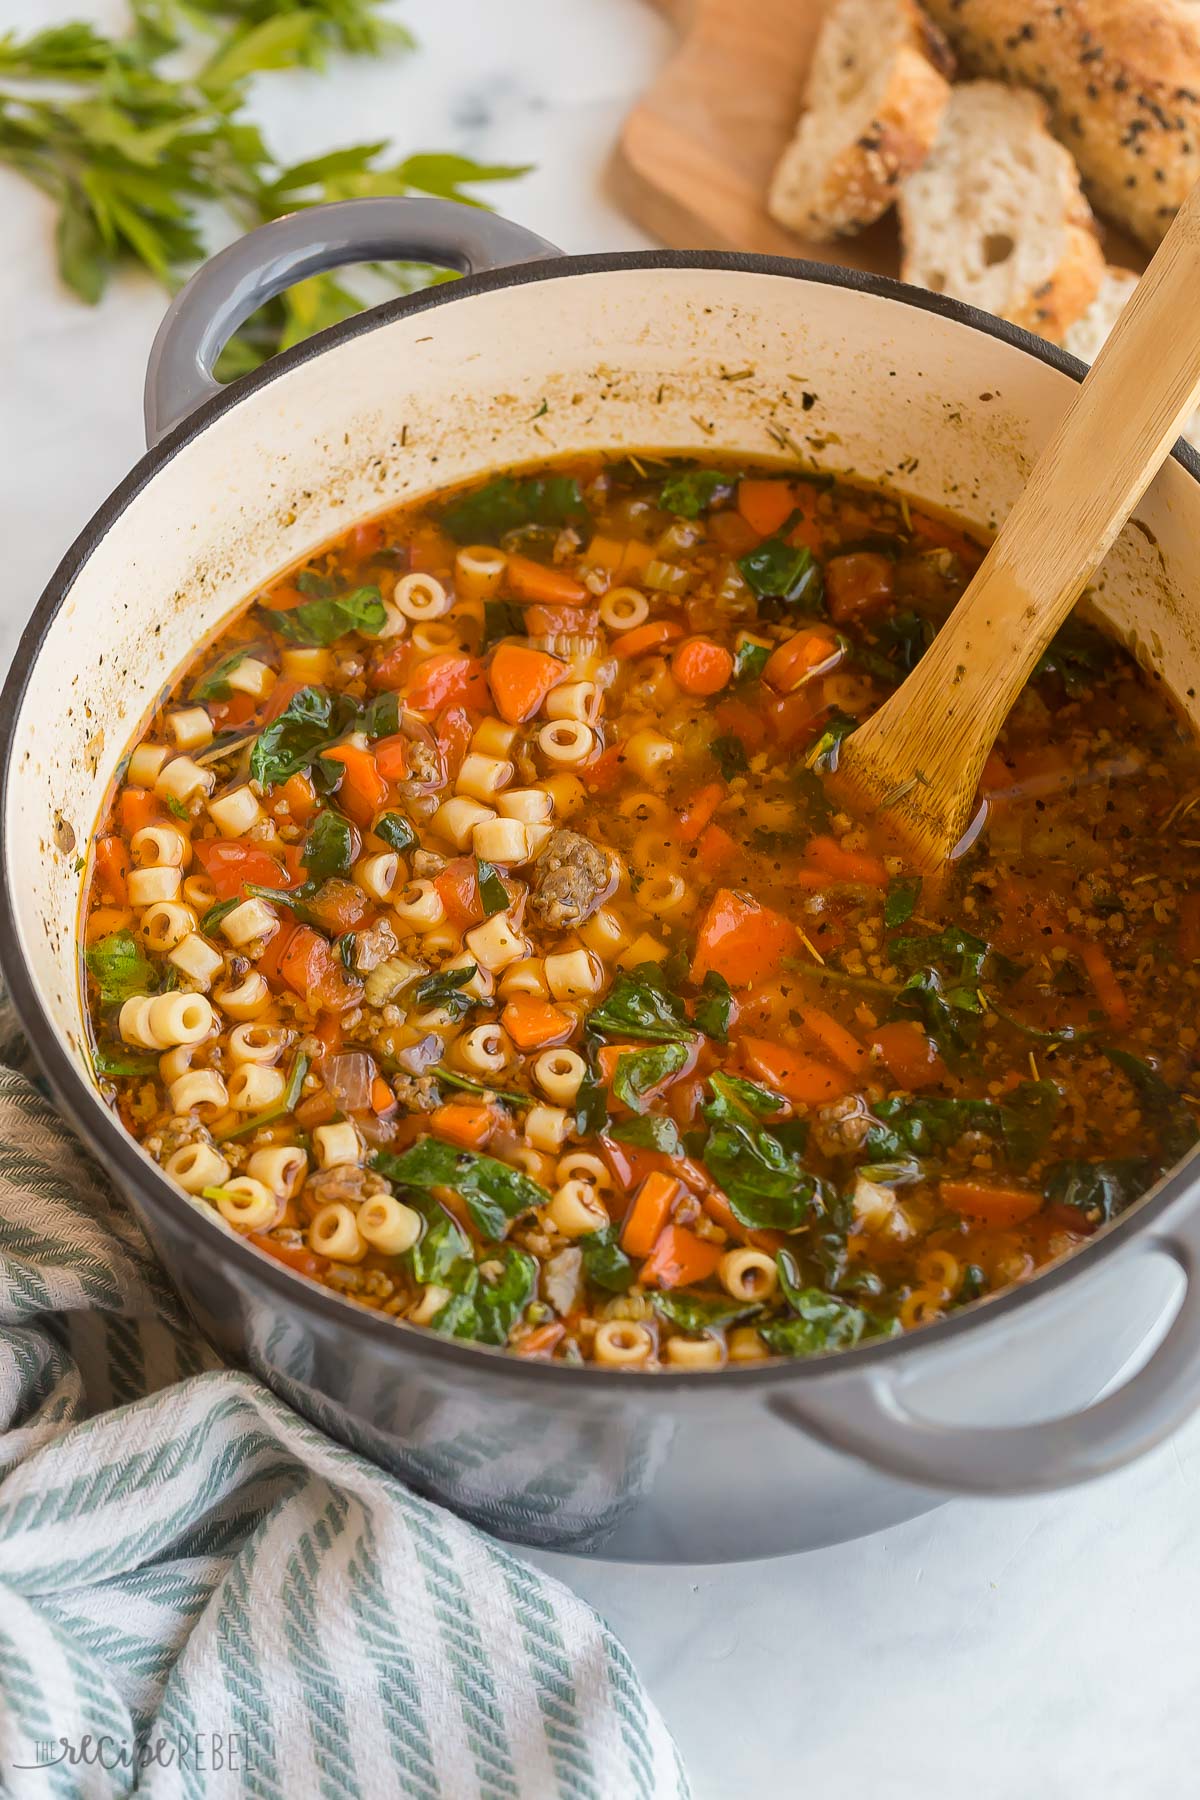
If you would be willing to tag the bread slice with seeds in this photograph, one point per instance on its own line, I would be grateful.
(996, 216)
(1086, 336)
(876, 93)
(1123, 81)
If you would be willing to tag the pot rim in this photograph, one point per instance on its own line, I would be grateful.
(127, 1163)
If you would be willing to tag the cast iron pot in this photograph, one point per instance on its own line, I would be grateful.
(534, 354)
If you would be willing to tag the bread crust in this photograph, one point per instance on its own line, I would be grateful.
(1122, 78)
(826, 188)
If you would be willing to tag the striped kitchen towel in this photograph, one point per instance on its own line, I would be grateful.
(203, 1596)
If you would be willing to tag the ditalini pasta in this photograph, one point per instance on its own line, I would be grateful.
(473, 931)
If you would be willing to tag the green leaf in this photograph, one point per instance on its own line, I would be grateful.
(395, 831)
(903, 895)
(699, 1312)
(636, 1007)
(500, 1304)
(921, 1128)
(312, 720)
(692, 491)
(639, 1072)
(900, 641)
(1080, 656)
(1099, 1190)
(443, 989)
(713, 1009)
(494, 1193)
(649, 1132)
(1027, 1117)
(177, 808)
(493, 895)
(819, 1321)
(329, 846)
(484, 515)
(751, 660)
(604, 1262)
(778, 570)
(123, 1062)
(502, 619)
(215, 684)
(729, 754)
(447, 175)
(212, 918)
(823, 754)
(323, 622)
(119, 969)
(766, 1183)
(382, 717)
(508, 1096)
(591, 1107)
(733, 1097)
(1169, 1112)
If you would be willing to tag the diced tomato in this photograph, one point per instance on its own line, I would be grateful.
(112, 868)
(362, 790)
(680, 1259)
(834, 860)
(454, 728)
(910, 1055)
(292, 1255)
(391, 757)
(239, 709)
(231, 864)
(800, 658)
(741, 940)
(393, 668)
(449, 679)
(367, 539)
(699, 810)
(737, 719)
(998, 1204)
(270, 960)
(947, 537)
(630, 1165)
(857, 586)
(604, 774)
(339, 906)
(458, 888)
(795, 719)
(716, 849)
(304, 960)
(137, 808)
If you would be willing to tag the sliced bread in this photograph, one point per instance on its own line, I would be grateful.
(995, 215)
(1087, 334)
(1123, 81)
(876, 93)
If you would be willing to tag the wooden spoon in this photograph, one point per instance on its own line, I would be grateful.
(916, 763)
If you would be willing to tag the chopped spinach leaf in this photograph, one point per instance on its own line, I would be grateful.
(639, 1072)
(767, 1185)
(751, 660)
(699, 1313)
(733, 1095)
(1098, 1190)
(903, 895)
(819, 1321)
(329, 846)
(777, 570)
(591, 1107)
(441, 1246)
(508, 1096)
(901, 640)
(215, 684)
(493, 895)
(692, 491)
(713, 1009)
(650, 1132)
(123, 1062)
(494, 1193)
(486, 1311)
(382, 717)
(604, 1261)
(729, 754)
(323, 622)
(1176, 1124)
(119, 969)
(177, 808)
(920, 1128)
(506, 504)
(1080, 656)
(311, 720)
(502, 619)
(1027, 1117)
(215, 914)
(636, 1007)
(395, 831)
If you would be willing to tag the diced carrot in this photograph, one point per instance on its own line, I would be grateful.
(947, 537)
(765, 505)
(909, 1054)
(738, 719)
(800, 658)
(857, 585)
(644, 638)
(449, 679)
(393, 668)
(520, 679)
(835, 1039)
(699, 810)
(362, 789)
(830, 858)
(467, 1123)
(741, 940)
(635, 559)
(794, 1074)
(1103, 978)
(330, 1031)
(716, 849)
(292, 1255)
(138, 807)
(605, 553)
(281, 693)
(382, 1097)
(631, 1166)
(680, 1259)
(1189, 927)
(532, 1024)
(536, 581)
(391, 757)
(702, 667)
(301, 797)
(112, 868)
(988, 1203)
(284, 599)
(458, 889)
(541, 1341)
(605, 772)
(102, 921)
(649, 1213)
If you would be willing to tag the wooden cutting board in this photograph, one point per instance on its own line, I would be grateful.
(696, 154)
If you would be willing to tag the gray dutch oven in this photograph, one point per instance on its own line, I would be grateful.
(534, 354)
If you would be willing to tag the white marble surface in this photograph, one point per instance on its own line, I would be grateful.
(1047, 1648)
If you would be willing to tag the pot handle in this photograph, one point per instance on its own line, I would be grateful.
(866, 1415)
(223, 294)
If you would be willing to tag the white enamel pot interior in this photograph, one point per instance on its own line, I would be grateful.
(664, 351)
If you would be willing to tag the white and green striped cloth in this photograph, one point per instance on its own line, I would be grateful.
(203, 1596)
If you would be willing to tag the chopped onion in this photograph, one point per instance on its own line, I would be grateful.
(348, 1077)
(425, 1054)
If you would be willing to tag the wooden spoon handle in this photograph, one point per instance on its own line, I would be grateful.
(935, 732)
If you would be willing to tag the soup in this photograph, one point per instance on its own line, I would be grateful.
(474, 930)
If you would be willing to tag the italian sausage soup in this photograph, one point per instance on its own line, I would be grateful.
(474, 931)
